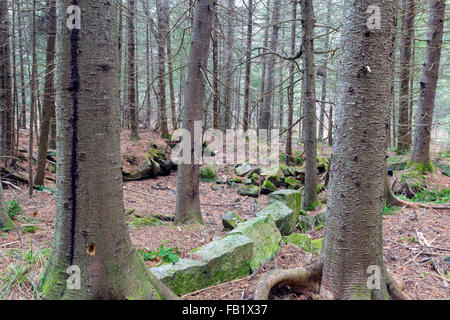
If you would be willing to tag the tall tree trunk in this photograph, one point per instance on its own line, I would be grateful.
(262, 88)
(49, 96)
(228, 68)
(90, 229)
(188, 200)
(405, 72)
(291, 84)
(310, 200)
(173, 110)
(23, 115)
(353, 245)
(216, 103)
(268, 99)
(326, 47)
(132, 70)
(34, 88)
(163, 20)
(6, 101)
(422, 138)
(248, 65)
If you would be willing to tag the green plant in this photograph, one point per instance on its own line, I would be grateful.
(13, 208)
(167, 255)
(24, 271)
(43, 188)
(433, 196)
(390, 211)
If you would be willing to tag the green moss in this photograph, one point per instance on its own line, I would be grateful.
(316, 203)
(316, 245)
(207, 174)
(146, 222)
(130, 211)
(428, 167)
(300, 240)
(268, 187)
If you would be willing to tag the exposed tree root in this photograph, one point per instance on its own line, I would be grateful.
(393, 200)
(299, 279)
(395, 288)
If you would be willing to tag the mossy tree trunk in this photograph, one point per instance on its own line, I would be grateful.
(90, 229)
(353, 231)
(422, 138)
(131, 29)
(188, 198)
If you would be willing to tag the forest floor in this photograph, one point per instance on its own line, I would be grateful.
(405, 254)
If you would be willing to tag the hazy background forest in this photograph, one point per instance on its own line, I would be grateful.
(257, 75)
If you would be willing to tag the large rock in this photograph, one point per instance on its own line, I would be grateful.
(307, 223)
(300, 240)
(284, 216)
(274, 174)
(293, 184)
(185, 276)
(268, 187)
(226, 259)
(292, 198)
(230, 220)
(249, 191)
(242, 169)
(207, 174)
(265, 235)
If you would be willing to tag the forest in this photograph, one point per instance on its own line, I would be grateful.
(224, 150)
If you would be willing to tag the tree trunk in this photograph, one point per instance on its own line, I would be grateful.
(248, 65)
(90, 228)
(228, 68)
(188, 200)
(265, 113)
(23, 116)
(162, 11)
(49, 96)
(216, 103)
(173, 110)
(326, 47)
(262, 89)
(6, 102)
(310, 200)
(132, 70)
(291, 84)
(34, 89)
(408, 16)
(422, 138)
(353, 245)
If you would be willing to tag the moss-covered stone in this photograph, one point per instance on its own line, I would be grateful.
(422, 168)
(316, 245)
(242, 169)
(227, 258)
(207, 174)
(230, 220)
(300, 240)
(293, 184)
(307, 223)
(266, 237)
(283, 215)
(267, 187)
(249, 191)
(237, 180)
(274, 174)
(185, 276)
(292, 198)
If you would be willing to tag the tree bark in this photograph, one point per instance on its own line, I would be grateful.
(310, 200)
(162, 11)
(248, 65)
(188, 201)
(291, 84)
(6, 102)
(132, 70)
(23, 116)
(216, 103)
(353, 231)
(228, 68)
(49, 96)
(90, 228)
(422, 138)
(404, 128)
(326, 47)
(265, 113)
